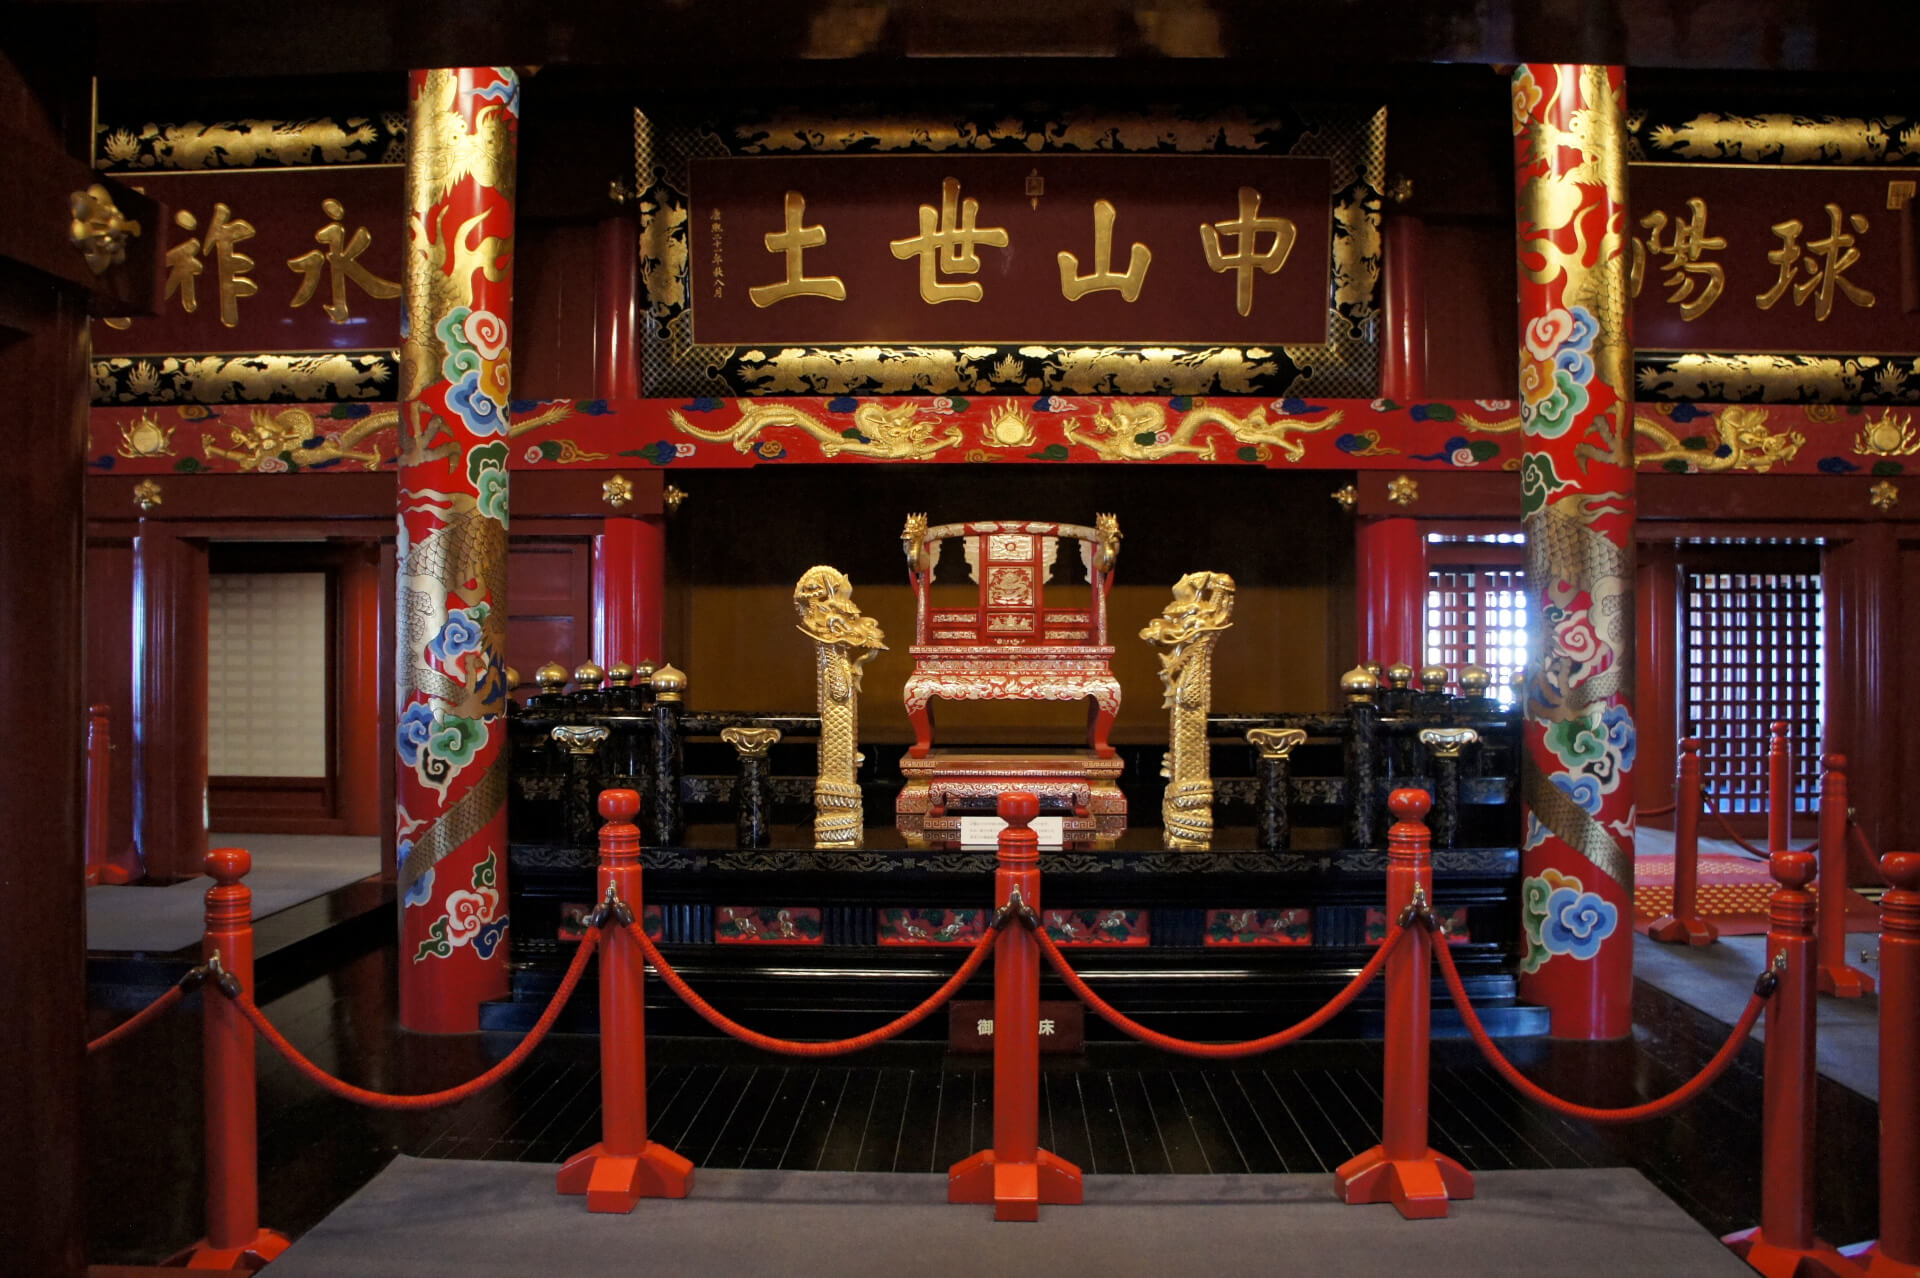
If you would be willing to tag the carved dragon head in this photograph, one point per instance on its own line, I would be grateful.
(1108, 527)
(824, 599)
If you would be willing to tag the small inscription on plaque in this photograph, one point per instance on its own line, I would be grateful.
(984, 831)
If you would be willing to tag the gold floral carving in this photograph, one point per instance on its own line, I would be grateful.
(1347, 497)
(1887, 436)
(282, 435)
(751, 743)
(1185, 632)
(1403, 490)
(899, 433)
(1884, 495)
(671, 497)
(1782, 138)
(98, 228)
(1007, 427)
(146, 494)
(1116, 434)
(617, 491)
(1744, 436)
(843, 642)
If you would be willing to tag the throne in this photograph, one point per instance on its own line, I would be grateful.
(1011, 646)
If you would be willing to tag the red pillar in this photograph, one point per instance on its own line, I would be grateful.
(616, 348)
(623, 1166)
(360, 760)
(1403, 1168)
(1016, 1175)
(1779, 788)
(234, 1238)
(1403, 349)
(1577, 502)
(1656, 616)
(1897, 1253)
(1837, 976)
(450, 667)
(629, 590)
(169, 701)
(1390, 577)
(1783, 1244)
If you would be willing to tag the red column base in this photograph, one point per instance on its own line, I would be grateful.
(1675, 930)
(1419, 1187)
(617, 1182)
(1843, 981)
(1776, 1261)
(1876, 1265)
(266, 1244)
(1016, 1190)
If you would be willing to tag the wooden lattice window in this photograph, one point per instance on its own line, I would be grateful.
(1477, 607)
(1753, 650)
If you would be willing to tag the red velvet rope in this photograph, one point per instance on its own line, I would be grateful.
(1714, 808)
(1631, 1113)
(1859, 837)
(139, 1018)
(1217, 1051)
(1657, 812)
(796, 1047)
(428, 1100)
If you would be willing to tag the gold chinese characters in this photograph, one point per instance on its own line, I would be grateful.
(337, 261)
(1814, 270)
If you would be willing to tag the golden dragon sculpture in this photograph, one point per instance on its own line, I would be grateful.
(897, 434)
(1137, 431)
(843, 641)
(1201, 609)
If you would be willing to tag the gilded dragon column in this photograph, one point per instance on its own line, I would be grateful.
(1202, 608)
(1577, 498)
(843, 641)
(451, 626)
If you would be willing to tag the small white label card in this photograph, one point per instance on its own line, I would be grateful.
(984, 831)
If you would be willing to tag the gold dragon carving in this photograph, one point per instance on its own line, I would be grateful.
(898, 434)
(1116, 435)
(1185, 633)
(271, 434)
(1741, 429)
(843, 641)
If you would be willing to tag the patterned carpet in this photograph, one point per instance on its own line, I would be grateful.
(1734, 892)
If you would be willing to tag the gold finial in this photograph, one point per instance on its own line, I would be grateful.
(1433, 678)
(1403, 490)
(1377, 670)
(1474, 681)
(752, 743)
(619, 674)
(513, 678)
(1275, 743)
(1518, 682)
(1884, 495)
(551, 677)
(668, 683)
(1447, 743)
(1400, 675)
(643, 674)
(146, 494)
(1348, 497)
(671, 497)
(588, 675)
(1358, 684)
(617, 491)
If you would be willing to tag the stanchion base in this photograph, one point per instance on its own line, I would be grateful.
(1844, 981)
(1675, 930)
(1419, 1187)
(1876, 1265)
(266, 1244)
(1016, 1190)
(617, 1182)
(1775, 1261)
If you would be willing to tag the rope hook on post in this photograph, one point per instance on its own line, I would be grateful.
(1016, 910)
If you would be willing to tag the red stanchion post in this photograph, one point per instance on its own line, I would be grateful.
(234, 1238)
(624, 1166)
(1403, 1169)
(1897, 1253)
(1685, 926)
(1016, 1175)
(1836, 975)
(98, 744)
(1783, 1245)
(1779, 790)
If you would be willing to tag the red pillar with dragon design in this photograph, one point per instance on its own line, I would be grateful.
(451, 615)
(1578, 505)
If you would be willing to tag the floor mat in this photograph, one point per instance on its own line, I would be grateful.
(1735, 891)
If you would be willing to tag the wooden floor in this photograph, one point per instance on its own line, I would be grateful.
(912, 1107)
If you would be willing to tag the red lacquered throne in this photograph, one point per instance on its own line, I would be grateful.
(1011, 646)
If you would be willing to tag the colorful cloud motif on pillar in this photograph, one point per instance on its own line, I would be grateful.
(453, 462)
(1576, 413)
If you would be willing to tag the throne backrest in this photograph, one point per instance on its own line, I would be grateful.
(1011, 562)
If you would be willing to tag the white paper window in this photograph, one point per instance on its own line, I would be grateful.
(267, 674)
